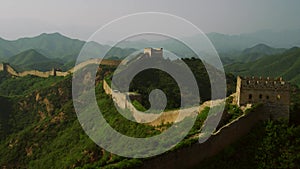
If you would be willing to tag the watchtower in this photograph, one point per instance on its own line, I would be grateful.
(273, 93)
(4, 66)
(153, 52)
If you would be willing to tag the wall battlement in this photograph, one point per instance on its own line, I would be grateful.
(264, 83)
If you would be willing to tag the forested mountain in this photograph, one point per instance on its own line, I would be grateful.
(54, 50)
(286, 65)
(52, 45)
(249, 54)
(258, 51)
(33, 60)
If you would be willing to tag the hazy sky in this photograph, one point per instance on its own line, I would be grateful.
(80, 18)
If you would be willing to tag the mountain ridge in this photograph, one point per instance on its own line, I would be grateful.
(258, 51)
(52, 45)
(286, 65)
(32, 59)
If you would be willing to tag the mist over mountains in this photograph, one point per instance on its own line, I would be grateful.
(52, 45)
(233, 43)
(48, 51)
(60, 51)
(282, 39)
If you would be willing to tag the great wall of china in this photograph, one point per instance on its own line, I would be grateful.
(122, 101)
(54, 72)
(190, 156)
(193, 155)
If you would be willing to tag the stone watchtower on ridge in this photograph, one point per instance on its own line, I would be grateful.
(153, 52)
(273, 93)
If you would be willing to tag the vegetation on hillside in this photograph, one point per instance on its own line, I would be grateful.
(24, 85)
(256, 52)
(33, 60)
(148, 80)
(286, 65)
(271, 145)
(39, 127)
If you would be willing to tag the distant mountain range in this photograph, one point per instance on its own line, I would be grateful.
(286, 65)
(280, 39)
(55, 50)
(227, 44)
(47, 51)
(51, 45)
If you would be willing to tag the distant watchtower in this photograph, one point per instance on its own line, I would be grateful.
(273, 93)
(153, 52)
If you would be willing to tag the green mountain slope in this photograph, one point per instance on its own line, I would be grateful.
(5, 108)
(58, 47)
(249, 54)
(52, 45)
(33, 60)
(41, 128)
(258, 51)
(286, 65)
(29, 56)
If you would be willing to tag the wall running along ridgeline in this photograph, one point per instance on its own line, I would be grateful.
(54, 72)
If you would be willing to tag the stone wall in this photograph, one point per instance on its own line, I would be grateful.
(36, 73)
(9, 69)
(122, 101)
(59, 73)
(189, 157)
(106, 88)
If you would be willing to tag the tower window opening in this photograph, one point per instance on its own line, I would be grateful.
(250, 96)
(260, 96)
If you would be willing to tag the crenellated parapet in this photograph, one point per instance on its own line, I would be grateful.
(264, 83)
